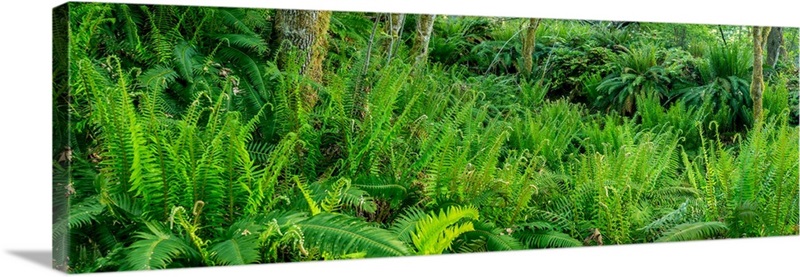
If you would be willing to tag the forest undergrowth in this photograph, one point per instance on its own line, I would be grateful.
(181, 139)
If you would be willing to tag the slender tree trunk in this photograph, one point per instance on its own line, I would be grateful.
(774, 43)
(528, 45)
(394, 25)
(394, 22)
(422, 38)
(757, 84)
(307, 31)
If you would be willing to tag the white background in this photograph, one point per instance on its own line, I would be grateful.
(25, 96)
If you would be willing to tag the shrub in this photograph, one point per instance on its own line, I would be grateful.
(725, 84)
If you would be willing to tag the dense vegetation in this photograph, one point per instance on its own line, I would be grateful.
(189, 136)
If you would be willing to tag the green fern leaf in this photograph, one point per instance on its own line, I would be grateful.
(406, 223)
(246, 64)
(340, 234)
(493, 236)
(434, 233)
(547, 239)
(184, 55)
(694, 231)
(154, 249)
(376, 187)
(244, 41)
(360, 199)
(84, 213)
(240, 245)
(333, 200)
(158, 77)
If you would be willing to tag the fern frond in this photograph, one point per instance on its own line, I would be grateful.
(694, 231)
(360, 199)
(312, 205)
(341, 234)
(158, 77)
(406, 223)
(248, 41)
(376, 187)
(434, 233)
(184, 55)
(546, 239)
(246, 64)
(333, 200)
(495, 238)
(154, 249)
(85, 212)
(239, 244)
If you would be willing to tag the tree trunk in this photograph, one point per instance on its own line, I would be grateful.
(528, 45)
(423, 36)
(757, 84)
(394, 24)
(306, 31)
(394, 28)
(774, 43)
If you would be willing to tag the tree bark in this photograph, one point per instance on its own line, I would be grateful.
(422, 38)
(395, 23)
(306, 31)
(757, 84)
(394, 26)
(774, 43)
(528, 45)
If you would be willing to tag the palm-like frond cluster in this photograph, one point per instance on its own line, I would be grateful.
(188, 145)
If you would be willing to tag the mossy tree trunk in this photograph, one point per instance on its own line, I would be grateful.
(528, 45)
(774, 43)
(394, 23)
(422, 38)
(757, 84)
(307, 31)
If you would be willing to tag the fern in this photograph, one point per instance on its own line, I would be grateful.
(405, 224)
(85, 212)
(495, 239)
(694, 231)
(341, 234)
(184, 54)
(434, 233)
(246, 41)
(158, 77)
(154, 249)
(333, 200)
(359, 199)
(546, 239)
(239, 244)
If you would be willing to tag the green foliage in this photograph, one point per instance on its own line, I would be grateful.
(239, 245)
(434, 233)
(694, 231)
(748, 191)
(489, 238)
(638, 72)
(154, 249)
(682, 119)
(185, 144)
(548, 239)
(455, 36)
(548, 132)
(341, 234)
(725, 83)
(777, 98)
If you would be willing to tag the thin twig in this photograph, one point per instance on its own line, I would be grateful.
(724, 42)
(371, 41)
